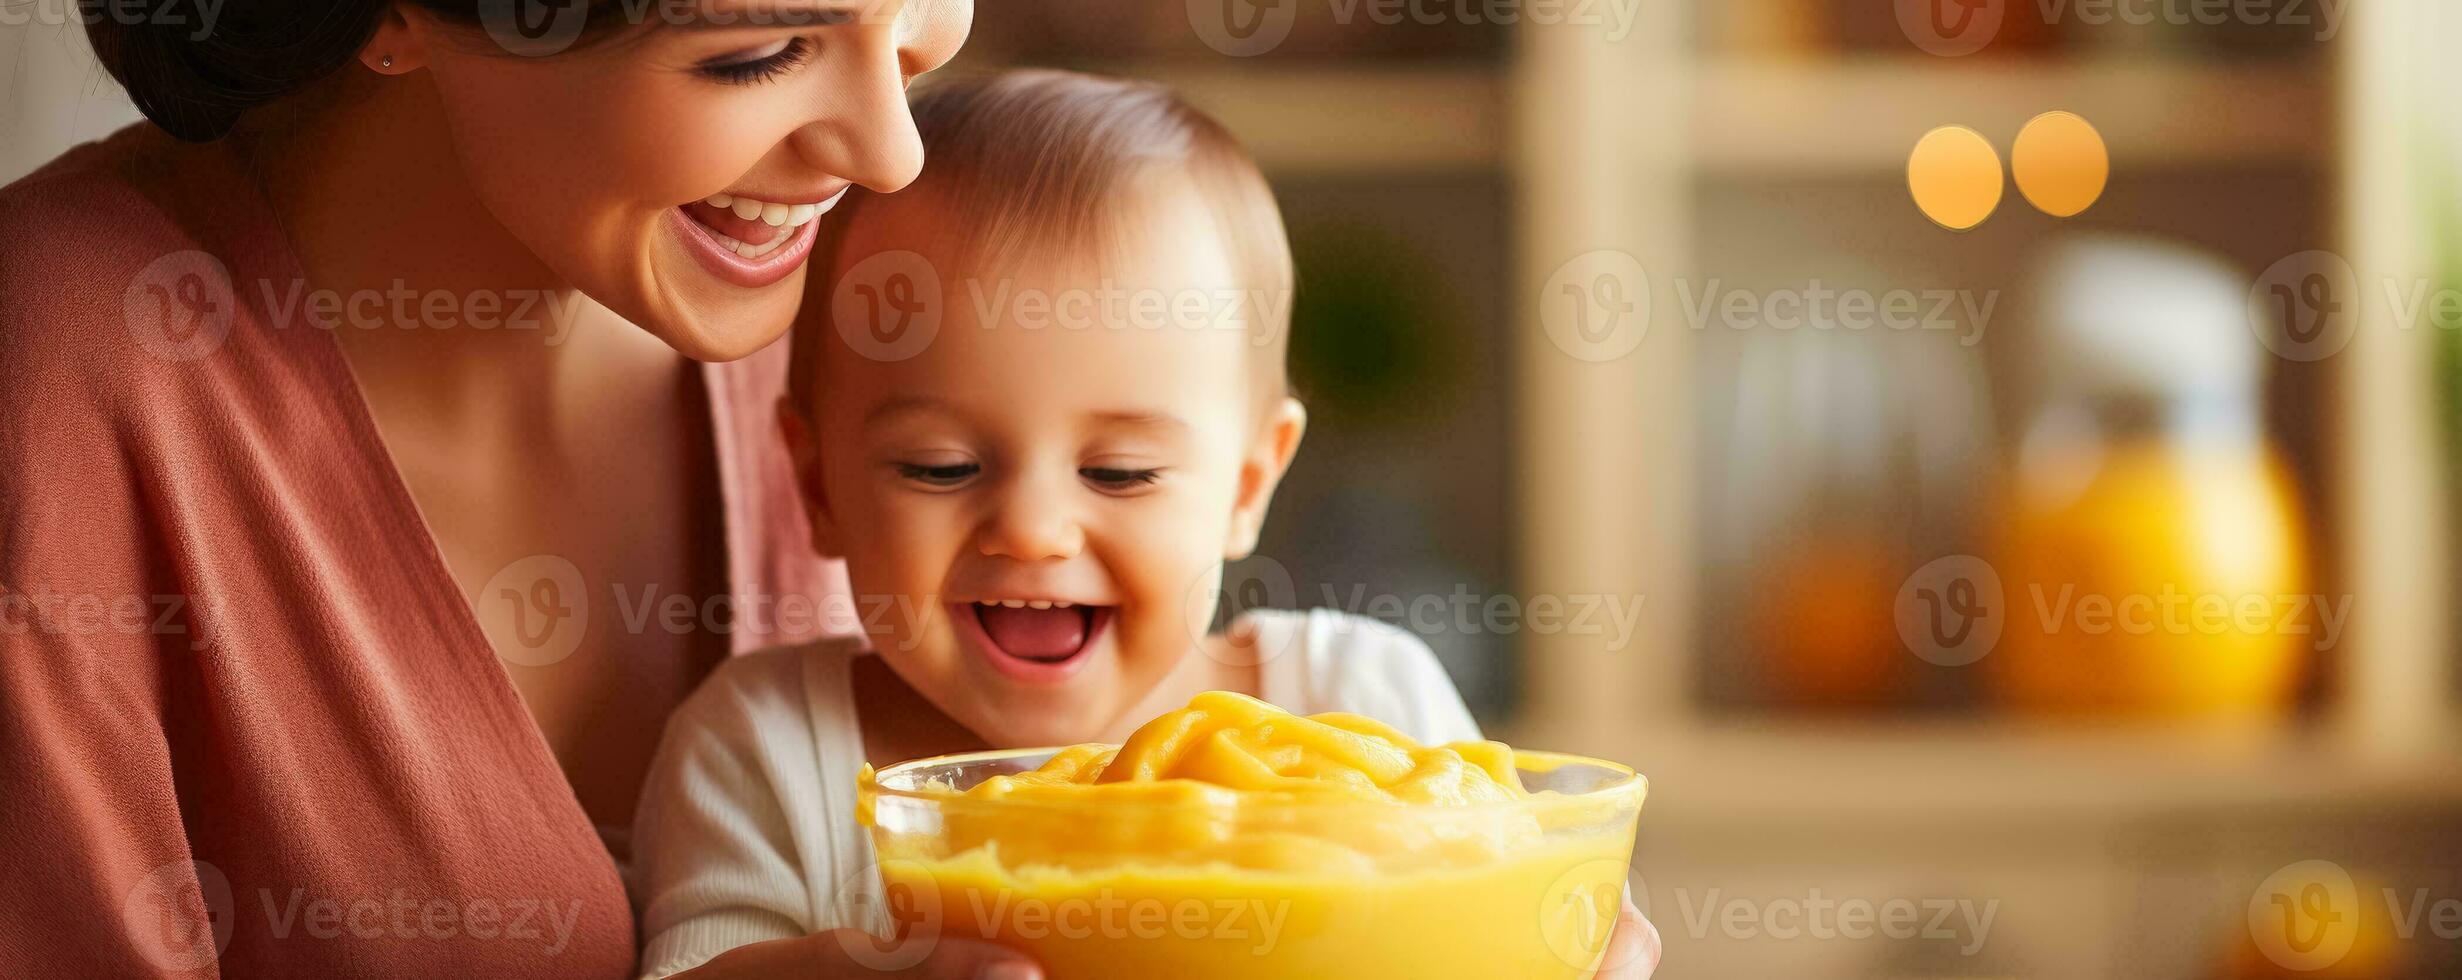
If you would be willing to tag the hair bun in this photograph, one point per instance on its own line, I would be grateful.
(195, 66)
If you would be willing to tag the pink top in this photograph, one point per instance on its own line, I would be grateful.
(248, 723)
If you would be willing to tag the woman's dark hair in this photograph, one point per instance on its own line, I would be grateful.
(194, 66)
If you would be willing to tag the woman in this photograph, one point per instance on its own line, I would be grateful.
(386, 452)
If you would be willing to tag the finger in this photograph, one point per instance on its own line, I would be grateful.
(970, 959)
(1633, 951)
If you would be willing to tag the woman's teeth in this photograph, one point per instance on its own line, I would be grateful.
(789, 217)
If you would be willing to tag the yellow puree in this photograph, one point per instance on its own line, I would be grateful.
(1232, 839)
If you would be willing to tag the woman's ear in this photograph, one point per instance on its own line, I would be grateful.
(1261, 469)
(399, 46)
(805, 451)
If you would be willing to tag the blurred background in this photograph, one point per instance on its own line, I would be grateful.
(2060, 597)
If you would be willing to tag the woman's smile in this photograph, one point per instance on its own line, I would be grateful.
(749, 241)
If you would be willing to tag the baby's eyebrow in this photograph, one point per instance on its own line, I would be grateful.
(1143, 420)
(903, 405)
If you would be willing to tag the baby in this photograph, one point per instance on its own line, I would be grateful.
(1030, 415)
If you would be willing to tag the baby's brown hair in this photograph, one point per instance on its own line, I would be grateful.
(1040, 162)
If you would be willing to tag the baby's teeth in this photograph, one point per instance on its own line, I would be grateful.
(747, 208)
(774, 214)
(719, 201)
(1039, 604)
(1065, 605)
(800, 213)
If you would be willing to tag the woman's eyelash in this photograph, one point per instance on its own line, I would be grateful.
(760, 69)
(1120, 477)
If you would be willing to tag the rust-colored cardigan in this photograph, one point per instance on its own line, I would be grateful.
(248, 724)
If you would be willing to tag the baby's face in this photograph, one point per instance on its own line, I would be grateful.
(1034, 511)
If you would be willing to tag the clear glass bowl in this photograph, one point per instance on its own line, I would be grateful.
(1221, 885)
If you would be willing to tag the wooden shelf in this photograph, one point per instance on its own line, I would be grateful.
(1353, 121)
(1814, 118)
(1936, 778)
(1754, 117)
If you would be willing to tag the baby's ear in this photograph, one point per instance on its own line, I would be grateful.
(1261, 468)
(805, 452)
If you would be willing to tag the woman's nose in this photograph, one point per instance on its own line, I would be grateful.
(1028, 526)
(866, 133)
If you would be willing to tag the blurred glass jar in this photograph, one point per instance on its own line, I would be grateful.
(2150, 557)
(1835, 460)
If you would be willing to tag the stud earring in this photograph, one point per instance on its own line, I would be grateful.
(388, 62)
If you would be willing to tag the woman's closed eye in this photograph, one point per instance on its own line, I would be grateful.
(760, 64)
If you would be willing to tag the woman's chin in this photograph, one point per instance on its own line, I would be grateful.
(718, 329)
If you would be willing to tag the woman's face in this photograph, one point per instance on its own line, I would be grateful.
(671, 169)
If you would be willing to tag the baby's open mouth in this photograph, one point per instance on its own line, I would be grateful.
(1046, 632)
